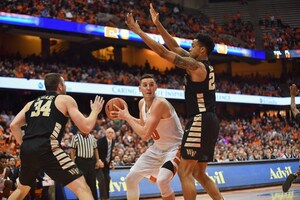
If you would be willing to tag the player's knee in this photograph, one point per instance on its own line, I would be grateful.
(164, 187)
(130, 180)
(162, 182)
(79, 186)
(83, 188)
(197, 173)
(182, 172)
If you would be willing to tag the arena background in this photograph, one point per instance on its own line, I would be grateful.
(22, 43)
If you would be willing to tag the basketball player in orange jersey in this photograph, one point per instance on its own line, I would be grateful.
(159, 121)
(201, 132)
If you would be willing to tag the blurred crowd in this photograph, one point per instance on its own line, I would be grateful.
(278, 35)
(240, 139)
(177, 20)
(110, 72)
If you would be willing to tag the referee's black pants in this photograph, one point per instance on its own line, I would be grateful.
(87, 166)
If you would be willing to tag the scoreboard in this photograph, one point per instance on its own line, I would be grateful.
(286, 54)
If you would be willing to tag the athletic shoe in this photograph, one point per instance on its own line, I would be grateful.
(288, 182)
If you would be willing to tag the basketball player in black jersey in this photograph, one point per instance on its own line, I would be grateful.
(45, 119)
(294, 91)
(202, 130)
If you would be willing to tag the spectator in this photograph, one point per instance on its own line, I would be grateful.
(5, 183)
(255, 155)
(241, 155)
(105, 146)
(268, 154)
(13, 172)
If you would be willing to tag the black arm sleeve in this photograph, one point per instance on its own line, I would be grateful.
(297, 118)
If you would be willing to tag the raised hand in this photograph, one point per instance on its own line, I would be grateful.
(154, 15)
(132, 25)
(294, 91)
(97, 105)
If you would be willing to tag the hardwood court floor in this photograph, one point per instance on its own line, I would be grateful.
(262, 193)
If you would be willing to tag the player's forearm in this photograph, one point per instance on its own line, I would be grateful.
(155, 46)
(137, 127)
(72, 154)
(169, 40)
(90, 122)
(137, 120)
(294, 109)
(17, 133)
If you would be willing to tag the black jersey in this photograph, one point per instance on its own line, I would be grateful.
(44, 120)
(200, 97)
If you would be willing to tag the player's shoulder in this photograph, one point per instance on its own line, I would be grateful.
(161, 100)
(141, 102)
(64, 97)
(29, 103)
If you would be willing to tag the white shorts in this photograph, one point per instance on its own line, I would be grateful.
(150, 162)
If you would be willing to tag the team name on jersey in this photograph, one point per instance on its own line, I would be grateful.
(46, 97)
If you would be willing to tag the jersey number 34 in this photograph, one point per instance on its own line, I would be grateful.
(41, 109)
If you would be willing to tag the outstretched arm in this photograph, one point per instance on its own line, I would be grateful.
(85, 124)
(179, 61)
(170, 41)
(293, 92)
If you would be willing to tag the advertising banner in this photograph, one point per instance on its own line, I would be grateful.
(228, 176)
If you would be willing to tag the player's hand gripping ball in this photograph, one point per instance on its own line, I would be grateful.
(110, 106)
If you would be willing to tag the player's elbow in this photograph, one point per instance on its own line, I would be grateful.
(86, 130)
(86, 126)
(166, 55)
(13, 126)
(146, 138)
(147, 135)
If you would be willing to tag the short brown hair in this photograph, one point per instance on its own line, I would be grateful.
(51, 81)
(147, 76)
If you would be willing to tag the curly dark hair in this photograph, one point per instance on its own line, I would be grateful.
(206, 41)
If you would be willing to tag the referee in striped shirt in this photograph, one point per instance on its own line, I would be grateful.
(85, 154)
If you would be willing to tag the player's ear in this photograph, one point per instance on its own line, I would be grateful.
(202, 50)
(60, 86)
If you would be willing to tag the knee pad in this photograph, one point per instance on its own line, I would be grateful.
(169, 165)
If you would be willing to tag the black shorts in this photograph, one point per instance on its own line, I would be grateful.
(37, 155)
(200, 137)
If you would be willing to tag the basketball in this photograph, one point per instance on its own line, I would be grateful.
(110, 106)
